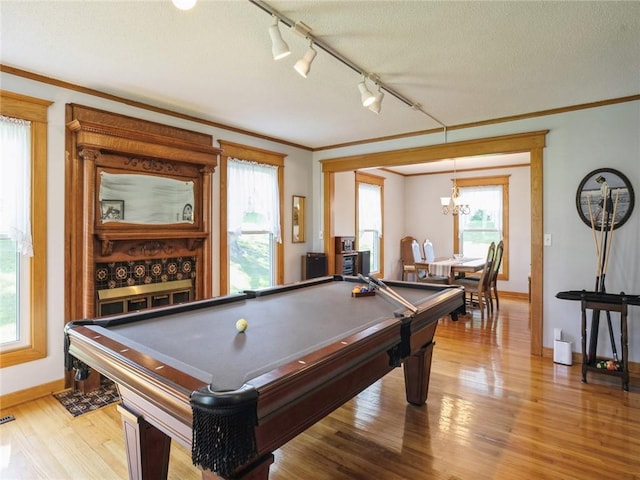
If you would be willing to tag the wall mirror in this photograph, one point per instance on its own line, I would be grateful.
(298, 219)
(145, 199)
(605, 198)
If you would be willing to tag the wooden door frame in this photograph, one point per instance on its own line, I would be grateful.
(531, 142)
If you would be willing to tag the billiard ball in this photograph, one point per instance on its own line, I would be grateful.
(241, 325)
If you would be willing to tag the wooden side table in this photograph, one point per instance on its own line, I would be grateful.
(590, 359)
(603, 302)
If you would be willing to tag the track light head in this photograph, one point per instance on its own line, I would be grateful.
(366, 97)
(303, 65)
(376, 106)
(184, 4)
(279, 47)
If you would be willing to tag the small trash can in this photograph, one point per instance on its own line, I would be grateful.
(562, 352)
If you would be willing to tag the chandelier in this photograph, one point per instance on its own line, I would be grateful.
(454, 204)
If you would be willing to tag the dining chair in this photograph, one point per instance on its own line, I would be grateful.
(491, 252)
(406, 257)
(424, 274)
(429, 253)
(493, 283)
(480, 288)
(421, 268)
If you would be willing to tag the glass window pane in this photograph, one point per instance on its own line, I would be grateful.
(9, 292)
(370, 222)
(251, 261)
(370, 240)
(484, 224)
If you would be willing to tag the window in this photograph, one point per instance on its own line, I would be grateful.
(23, 137)
(369, 218)
(488, 221)
(253, 224)
(251, 195)
(15, 231)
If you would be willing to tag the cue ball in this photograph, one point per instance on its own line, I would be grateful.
(241, 325)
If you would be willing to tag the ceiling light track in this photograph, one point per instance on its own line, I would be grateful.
(316, 42)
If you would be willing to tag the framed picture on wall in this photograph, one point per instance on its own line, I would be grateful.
(605, 199)
(112, 210)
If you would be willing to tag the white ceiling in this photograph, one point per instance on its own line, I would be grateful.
(462, 61)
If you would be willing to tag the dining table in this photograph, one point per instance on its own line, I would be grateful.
(454, 267)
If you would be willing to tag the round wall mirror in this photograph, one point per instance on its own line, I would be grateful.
(605, 199)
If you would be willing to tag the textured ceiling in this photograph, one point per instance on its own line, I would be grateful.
(462, 61)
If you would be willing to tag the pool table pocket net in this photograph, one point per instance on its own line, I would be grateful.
(224, 429)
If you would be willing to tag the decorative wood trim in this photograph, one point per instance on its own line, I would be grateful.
(99, 140)
(258, 155)
(224, 221)
(329, 192)
(459, 170)
(519, 142)
(252, 154)
(532, 142)
(521, 296)
(29, 394)
(24, 107)
(35, 110)
(537, 250)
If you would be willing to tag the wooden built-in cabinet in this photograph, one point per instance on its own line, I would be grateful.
(138, 209)
(346, 255)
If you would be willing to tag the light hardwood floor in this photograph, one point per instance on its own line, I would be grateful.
(493, 412)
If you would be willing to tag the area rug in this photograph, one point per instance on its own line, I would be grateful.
(77, 403)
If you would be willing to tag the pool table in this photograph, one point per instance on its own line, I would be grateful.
(186, 373)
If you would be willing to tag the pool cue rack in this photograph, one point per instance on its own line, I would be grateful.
(605, 302)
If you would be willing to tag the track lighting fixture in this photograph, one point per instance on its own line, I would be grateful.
(279, 47)
(303, 65)
(377, 103)
(184, 4)
(366, 97)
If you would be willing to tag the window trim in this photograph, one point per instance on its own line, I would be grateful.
(503, 181)
(35, 110)
(361, 177)
(258, 155)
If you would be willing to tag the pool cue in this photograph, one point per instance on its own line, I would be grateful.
(613, 221)
(599, 250)
(384, 288)
(614, 350)
(595, 314)
(595, 239)
(374, 286)
(388, 296)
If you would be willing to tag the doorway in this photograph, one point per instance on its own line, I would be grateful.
(531, 142)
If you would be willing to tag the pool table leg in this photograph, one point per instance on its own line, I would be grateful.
(258, 470)
(147, 447)
(417, 370)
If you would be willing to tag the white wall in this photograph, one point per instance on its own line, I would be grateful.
(345, 211)
(578, 142)
(298, 181)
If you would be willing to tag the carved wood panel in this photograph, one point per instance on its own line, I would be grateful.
(98, 141)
